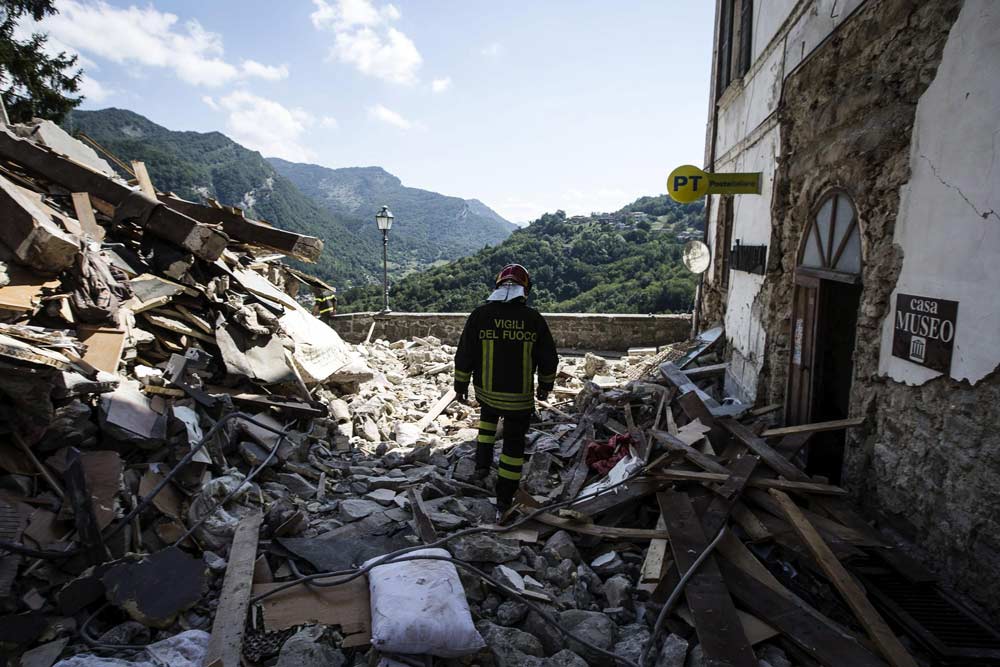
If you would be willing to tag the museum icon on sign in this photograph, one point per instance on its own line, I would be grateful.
(918, 348)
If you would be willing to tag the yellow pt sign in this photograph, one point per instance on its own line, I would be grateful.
(688, 183)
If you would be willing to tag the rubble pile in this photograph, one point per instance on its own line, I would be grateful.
(195, 471)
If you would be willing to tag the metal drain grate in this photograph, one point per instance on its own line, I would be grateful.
(940, 623)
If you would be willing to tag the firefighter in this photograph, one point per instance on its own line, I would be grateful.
(325, 304)
(503, 344)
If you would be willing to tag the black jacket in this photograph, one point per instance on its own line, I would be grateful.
(501, 347)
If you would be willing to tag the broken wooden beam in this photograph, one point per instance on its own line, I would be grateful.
(758, 482)
(816, 427)
(225, 646)
(715, 619)
(772, 458)
(421, 518)
(436, 409)
(204, 241)
(610, 532)
(885, 639)
(299, 246)
(802, 625)
(83, 509)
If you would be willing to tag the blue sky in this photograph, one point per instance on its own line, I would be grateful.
(528, 106)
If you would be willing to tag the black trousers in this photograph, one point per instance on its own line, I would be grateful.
(515, 430)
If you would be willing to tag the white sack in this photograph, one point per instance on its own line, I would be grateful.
(419, 606)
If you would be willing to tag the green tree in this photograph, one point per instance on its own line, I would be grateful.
(33, 83)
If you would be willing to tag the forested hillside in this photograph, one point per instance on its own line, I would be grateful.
(626, 262)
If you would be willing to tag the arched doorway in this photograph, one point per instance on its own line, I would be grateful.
(823, 327)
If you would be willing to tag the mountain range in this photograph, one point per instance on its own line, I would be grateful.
(431, 227)
(335, 205)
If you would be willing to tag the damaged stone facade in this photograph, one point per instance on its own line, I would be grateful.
(926, 463)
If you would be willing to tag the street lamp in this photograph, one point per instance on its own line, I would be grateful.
(384, 221)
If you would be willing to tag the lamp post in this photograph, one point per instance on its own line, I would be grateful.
(384, 221)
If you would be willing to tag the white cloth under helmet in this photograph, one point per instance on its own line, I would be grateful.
(507, 292)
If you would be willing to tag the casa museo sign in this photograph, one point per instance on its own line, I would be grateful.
(924, 331)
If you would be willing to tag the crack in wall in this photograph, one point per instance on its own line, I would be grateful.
(984, 215)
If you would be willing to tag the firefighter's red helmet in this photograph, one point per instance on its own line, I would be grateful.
(517, 274)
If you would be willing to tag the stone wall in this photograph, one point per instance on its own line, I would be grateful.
(572, 331)
(927, 462)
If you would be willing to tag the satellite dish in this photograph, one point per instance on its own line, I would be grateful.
(696, 256)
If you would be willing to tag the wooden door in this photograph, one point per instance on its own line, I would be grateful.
(802, 349)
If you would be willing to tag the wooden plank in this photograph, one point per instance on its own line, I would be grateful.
(751, 523)
(817, 427)
(83, 512)
(425, 527)
(776, 461)
(436, 409)
(628, 492)
(827, 527)
(104, 346)
(24, 289)
(142, 175)
(85, 214)
(758, 482)
(602, 531)
(715, 618)
(802, 625)
(756, 630)
(653, 565)
(728, 494)
(226, 643)
(874, 624)
(703, 461)
(347, 606)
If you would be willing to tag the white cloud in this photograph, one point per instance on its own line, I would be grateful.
(389, 117)
(492, 50)
(93, 90)
(267, 72)
(211, 103)
(267, 126)
(329, 122)
(146, 37)
(441, 85)
(363, 38)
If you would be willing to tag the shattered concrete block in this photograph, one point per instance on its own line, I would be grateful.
(306, 649)
(510, 646)
(297, 484)
(618, 590)
(484, 548)
(353, 509)
(561, 546)
(596, 627)
(30, 232)
(631, 641)
(384, 497)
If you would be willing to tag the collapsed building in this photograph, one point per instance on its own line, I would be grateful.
(196, 471)
(860, 282)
